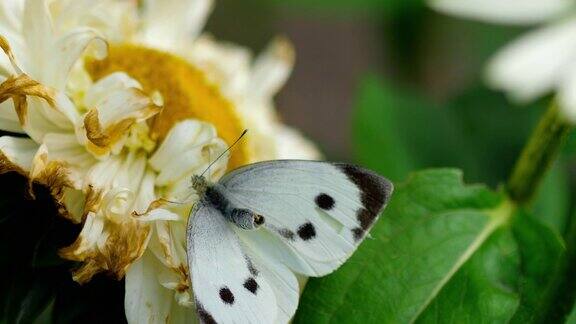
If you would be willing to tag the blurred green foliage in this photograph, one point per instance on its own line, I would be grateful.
(384, 5)
(397, 131)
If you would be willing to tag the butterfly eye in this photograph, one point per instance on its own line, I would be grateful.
(258, 219)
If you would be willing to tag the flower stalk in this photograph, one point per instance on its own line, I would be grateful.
(538, 155)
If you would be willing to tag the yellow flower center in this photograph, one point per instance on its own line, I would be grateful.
(185, 91)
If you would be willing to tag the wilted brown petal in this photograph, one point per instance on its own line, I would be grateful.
(55, 176)
(125, 243)
(18, 87)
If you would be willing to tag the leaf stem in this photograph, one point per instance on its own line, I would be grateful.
(538, 155)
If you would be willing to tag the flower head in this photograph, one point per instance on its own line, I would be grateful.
(122, 107)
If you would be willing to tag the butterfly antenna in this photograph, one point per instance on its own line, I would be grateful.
(226, 151)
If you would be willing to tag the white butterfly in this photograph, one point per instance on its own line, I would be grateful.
(260, 224)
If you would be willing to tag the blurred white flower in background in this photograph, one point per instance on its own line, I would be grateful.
(123, 101)
(539, 63)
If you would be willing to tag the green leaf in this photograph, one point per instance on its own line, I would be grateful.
(572, 317)
(541, 251)
(379, 144)
(481, 291)
(570, 147)
(494, 132)
(396, 131)
(552, 203)
(442, 252)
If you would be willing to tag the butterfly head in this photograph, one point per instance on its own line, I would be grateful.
(199, 184)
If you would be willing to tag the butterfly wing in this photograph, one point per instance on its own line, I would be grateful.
(279, 276)
(228, 288)
(316, 213)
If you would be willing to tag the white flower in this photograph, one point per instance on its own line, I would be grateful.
(251, 87)
(541, 62)
(122, 106)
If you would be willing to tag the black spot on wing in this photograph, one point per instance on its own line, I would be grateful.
(307, 231)
(205, 317)
(226, 295)
(375, 192)
(324, 201)
(358, 233)
(251, 285)
(259, 219)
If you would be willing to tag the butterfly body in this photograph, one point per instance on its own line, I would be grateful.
(215, 195)
(259, 225)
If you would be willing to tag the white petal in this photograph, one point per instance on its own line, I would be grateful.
(131, 172)
(225, 64)
(9, 119)
(66, 52)
(261, 119)
(292, 145)
(123, 104)
(50, 59)
(272, 68)
(65, 148)
(146, 193)
(185, 150)
(182, 310)
(534, 65)
(146, 301)
(40, 109)
(169, 245)
(74, 201)
(65, 107)
(19, 151)
(37, 30)
(183, 315)
(10, 14)
(504, 11)
(90, 234)
(42, 119)
(103, 173)
(170, 24)
(115, 19)
(10, 25)
(118, 171)
(111, 83)
(106, 126)
(117, 204)
(159, 214)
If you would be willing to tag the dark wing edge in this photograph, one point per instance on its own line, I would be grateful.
(375, 195)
